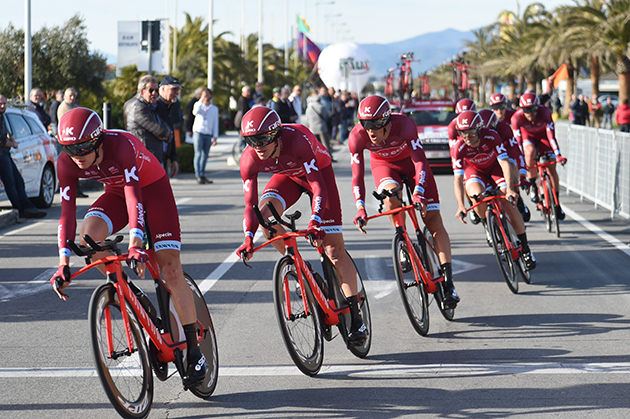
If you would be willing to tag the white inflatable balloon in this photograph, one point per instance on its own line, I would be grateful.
(344, 66)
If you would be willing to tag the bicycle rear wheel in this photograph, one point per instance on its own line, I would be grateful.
(433, 265)
(126, 376)
(362, 350)
(411, 290)
(208, 344)
(501, 251)
(237, 150)
(301, 331)
(553, 217)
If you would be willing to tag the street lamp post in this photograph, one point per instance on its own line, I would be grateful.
(210, 46)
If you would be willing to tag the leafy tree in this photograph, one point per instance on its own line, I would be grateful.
(12, 62)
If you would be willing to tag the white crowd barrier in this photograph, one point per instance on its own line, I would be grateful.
(598, 167)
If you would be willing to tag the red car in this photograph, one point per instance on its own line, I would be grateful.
(432, 118)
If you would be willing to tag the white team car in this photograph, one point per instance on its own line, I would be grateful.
(35, 157)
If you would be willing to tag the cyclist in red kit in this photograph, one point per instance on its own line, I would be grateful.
(396, 153)
(499, 105)
(134, 181)
(517, 161)
(480, 161)
(534, 129)
(299, 164)
(461, 106)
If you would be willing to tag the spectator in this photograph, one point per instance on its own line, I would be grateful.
(274, 98)
(346, 116)
(242, 107)
(70, 102)
(205, 132)
(609, 110)
(595, 111)
(623, 116)
(296, 102)
(129, 104)
(283, 107)
(169, 111)
(189, 117)
(335, 118)
(144, 122)
(9, 173)
(576, 111)
(257, 96)
(52, 112)
(318, 118)
(36, 106)
(584, 107)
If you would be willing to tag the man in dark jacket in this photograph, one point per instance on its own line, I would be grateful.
(36, 106)
(143, 120)
(283, 107)
(169, 111)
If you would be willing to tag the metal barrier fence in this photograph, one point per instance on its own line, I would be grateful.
(598, 167)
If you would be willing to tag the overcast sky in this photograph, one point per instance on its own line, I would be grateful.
(360, 21)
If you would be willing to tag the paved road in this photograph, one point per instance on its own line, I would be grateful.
(557, 349)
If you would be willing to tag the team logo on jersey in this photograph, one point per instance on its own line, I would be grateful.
(249, 127)
(311, 166)
(246, 185)
(416, 144)
(354, 158)
(131, 174)
(501, 148)
(458, 163)
(63, 192)
(318, 204)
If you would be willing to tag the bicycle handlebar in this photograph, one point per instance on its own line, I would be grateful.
(87, 251)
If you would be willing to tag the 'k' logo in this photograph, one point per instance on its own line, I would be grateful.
(354, 158)
(311, 166)
(64, 193)
(416, 144)
(246, 185)
(131, 175)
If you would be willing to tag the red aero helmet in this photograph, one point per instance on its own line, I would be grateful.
(497, 99)
(529, 100)
(489, 118)
(468, 120)
(374, 107)
(465, 105)
(79, 125)
(260, 120)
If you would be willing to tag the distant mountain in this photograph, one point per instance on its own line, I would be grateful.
(432, 49)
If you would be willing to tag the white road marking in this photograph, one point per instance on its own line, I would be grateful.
(601, 233)
(364, 370)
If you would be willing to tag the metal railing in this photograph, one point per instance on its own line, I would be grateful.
(598, 167)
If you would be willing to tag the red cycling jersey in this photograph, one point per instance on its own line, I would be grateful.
(401, 153)
(511, 144)
(507, 116)
(126, 170)
(482, 161)
(452, 133)
(303, 161)
(540, 132)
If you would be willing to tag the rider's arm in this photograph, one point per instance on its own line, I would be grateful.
(551, 134)
(458, 180)
(67, 172)
(357, 165)
(126, 157)
(250, 189)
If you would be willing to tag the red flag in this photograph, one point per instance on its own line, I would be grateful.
(312, 50)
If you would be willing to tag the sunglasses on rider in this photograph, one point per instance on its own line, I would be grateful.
(81, 149)
(530, 109)
(262, 140)
(498, 106)
(468, 132)
(374, 124)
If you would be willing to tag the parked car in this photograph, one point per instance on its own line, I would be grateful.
(614, 99)
(432, 118)
(35, 157)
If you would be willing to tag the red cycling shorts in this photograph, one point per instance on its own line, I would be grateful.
(392, 172)
(161, 213)
(288, 190)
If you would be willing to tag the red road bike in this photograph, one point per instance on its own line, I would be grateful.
(119, 312)
(307, 304)
(416, 264)
(549, 203)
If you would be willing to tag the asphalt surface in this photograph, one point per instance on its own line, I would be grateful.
(559, 348)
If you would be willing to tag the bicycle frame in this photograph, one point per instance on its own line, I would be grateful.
(398, 214)
(328, 306)
(163, 341)
(495, 206)
(545, 176)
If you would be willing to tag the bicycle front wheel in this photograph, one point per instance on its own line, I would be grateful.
(126, 375)
(502, 252)
(300, 325)
(208, 344)
(553, 215)
(411, 288)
